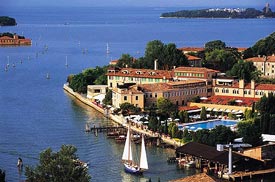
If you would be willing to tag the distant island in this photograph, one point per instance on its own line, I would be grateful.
(10, 39)
(7, 21)
(222, 13)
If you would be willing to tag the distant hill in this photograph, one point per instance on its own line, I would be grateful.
(7, 21)
(221, 13)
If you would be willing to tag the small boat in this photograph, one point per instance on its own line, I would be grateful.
(130, 165)
(48, 76)
(120, 138)
(189, 164)
(112, 134)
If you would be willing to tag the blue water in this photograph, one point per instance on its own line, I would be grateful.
(35, 112)
(209, 124)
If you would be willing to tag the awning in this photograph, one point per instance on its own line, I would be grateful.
(209, 109)
(224, 80)
(99, 97)
(215, 109)
(227, 110)
(195, 110)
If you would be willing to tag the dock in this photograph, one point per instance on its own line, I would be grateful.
(104, 128)
(241, 175)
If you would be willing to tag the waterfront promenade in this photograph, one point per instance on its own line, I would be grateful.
(120, 119)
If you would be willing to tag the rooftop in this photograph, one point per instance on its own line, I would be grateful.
(223, 100)
(262, 59)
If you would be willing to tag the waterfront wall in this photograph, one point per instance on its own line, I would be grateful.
(119, 118)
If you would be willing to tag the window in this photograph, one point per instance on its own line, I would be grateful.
(136, 97)
(217, 90)
(125, 97)
(156, 95)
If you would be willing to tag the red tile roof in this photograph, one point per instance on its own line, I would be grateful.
(140, 73)
(195, 69)
(223, 100)
(187, 108)
(193, 58)
(261, 59)
(192, 49)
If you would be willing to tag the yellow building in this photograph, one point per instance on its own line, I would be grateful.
(145, 95)
(242, 89)
(265, 64)
(119, 76)
(194, 73)
(131, 94)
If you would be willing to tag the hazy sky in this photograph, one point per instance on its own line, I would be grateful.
(154, 3)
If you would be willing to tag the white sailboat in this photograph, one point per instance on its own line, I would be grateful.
(107, 49)
(66, 63)
(129, 165)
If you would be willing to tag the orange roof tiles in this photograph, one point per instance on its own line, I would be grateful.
(140, 73)
(193, 58)
(241, 49)
(187, 108)
(191, 49)
(261, 59)
(195, 69)
(223, 100)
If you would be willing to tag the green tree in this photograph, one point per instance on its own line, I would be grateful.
(265, 46)
(127, 108)
(248, 114)
(184, 116)
(90, 76)
(108, 98)
(166, 107)
(221, 59)
(203, 113)
(153, 124)
(58, 166)
(244, 70)
(2, 175)
(250, 132)
(167, 56)
(215, 44)
(126, 60)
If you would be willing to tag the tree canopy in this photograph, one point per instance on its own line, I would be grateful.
(244, 70)
(90, 76)
(166, 107)
(7, 21)
(58, 166)
(265, 46)
(167, 56)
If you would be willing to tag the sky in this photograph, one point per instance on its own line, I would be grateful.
(149, 3)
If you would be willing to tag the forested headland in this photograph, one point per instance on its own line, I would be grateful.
(7, 21)
(221, 13)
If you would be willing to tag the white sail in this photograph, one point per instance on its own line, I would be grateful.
(143, 158)
(127, 152)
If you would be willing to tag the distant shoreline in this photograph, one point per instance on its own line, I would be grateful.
(225, 13)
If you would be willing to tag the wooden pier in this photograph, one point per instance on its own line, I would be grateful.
(240, 176)
(104, 128)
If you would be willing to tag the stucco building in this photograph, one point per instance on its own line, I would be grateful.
(265, 64)
(15, 40)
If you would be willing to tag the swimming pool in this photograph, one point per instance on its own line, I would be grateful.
(208, 124)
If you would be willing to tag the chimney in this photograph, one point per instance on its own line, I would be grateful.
(252, 85)
(156, 64)
(241, 84)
